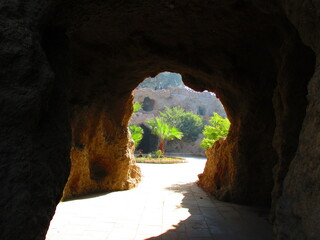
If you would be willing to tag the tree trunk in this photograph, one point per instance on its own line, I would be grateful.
(161, 145)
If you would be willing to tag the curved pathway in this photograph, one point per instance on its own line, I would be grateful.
(167, 205)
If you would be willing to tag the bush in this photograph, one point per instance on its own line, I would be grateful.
(158, 153)
(220, 128)
(190, 124)
(136, 134)
(137, 106)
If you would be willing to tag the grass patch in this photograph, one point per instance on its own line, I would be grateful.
(161, 160)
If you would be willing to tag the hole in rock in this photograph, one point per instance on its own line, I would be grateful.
(168, 199)
(148, 104)
(69, 77)
(165, 97)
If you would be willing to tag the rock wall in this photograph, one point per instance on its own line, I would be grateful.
(64, 62)
(100, 162)
(298, 209)
(35, 133)
(178, 147)
(214, 176)
(162, 81)
(201, 103)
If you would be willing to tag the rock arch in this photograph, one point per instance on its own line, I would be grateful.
(68, 69)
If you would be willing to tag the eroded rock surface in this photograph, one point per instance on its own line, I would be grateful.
(73, 65)
(100, 162)
(201, 103)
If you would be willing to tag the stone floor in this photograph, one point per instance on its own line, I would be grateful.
(167, 205)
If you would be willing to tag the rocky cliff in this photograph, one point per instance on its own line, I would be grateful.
(153, 101)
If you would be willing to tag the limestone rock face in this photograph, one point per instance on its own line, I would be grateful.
(214, 177)
(202, 103)
(185, 148)
(68, 69)
(100, 162)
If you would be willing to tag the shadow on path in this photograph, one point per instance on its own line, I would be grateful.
(212, 219)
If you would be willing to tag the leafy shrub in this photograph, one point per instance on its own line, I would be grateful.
(136, 134)
(189, 123)
(220, 128)
(158, 153)
(137, 106)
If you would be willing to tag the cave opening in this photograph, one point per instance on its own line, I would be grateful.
(259, 182)
(148, 104)
(166, 97)
(68, 69)
(245, 160)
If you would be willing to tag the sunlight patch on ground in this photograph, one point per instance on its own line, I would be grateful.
(167, 205)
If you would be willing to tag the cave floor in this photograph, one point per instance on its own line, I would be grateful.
(167, 205)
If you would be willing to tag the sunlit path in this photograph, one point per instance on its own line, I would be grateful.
(166, 205)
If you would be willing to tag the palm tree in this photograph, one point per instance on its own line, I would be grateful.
(164, 131)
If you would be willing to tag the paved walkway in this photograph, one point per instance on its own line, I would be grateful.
(166, 205)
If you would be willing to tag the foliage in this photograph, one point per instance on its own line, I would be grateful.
(189, 123)
(136, 131)
(164, 131)
(220, 128)
(136, 134)
(158, 153)
(136, 106)
(206, 143)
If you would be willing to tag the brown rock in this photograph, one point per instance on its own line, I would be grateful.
(214, 177)
(100, 162)
(73, 64)
(203, 103)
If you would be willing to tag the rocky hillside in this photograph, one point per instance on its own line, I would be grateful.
(162, 81)
(153, 101)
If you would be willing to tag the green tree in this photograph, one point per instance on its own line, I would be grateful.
(220, 128)
(137, 106)
(136, 134)
(136, 131)
(189, 123)
(164, 131)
